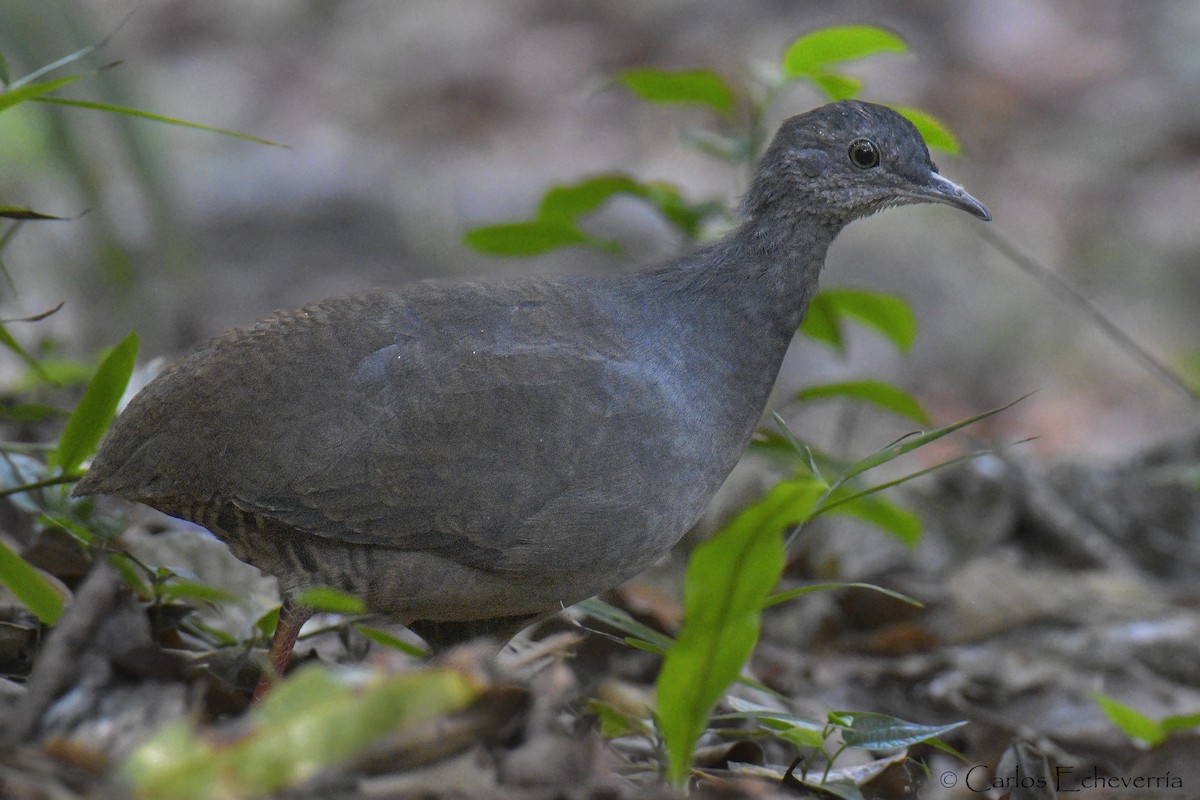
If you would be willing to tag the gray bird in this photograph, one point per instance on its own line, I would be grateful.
(467, 456)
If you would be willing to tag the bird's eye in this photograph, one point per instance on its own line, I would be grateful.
(864, 153)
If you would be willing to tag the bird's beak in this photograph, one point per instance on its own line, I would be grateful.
(944, 190)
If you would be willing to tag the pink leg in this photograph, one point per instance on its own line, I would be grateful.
(291, 619)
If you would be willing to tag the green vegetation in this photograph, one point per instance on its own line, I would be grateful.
(730, 579)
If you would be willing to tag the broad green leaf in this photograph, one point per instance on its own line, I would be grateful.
(394, 642)
(1132, 722)
(896, 520)
(38, 595)
(326, 598)
(935, 132)
(268, 622)
(555, 225)
(869, 731)
(687, 217)
(528, 238)
(81, 533)
(194, 590)
(890, 315)
(837, 87)
(880, 393)
(613, 721)
(132, 575)
(622, 621)
(95, 410)
(135, 112)
(822, 322)
(31, 91)
(567, 202)
(700, 86)
(788, 594)
(727, 579)
(218, 636)
(800, 731)
(1180, 722)
(310, 721)
(813, 52)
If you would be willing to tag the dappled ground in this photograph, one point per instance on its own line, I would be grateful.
(1050, 573)
(1036, 596)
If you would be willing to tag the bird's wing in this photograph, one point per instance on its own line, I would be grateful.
(488, 437)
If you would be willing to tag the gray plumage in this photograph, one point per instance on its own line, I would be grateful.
(462, 452)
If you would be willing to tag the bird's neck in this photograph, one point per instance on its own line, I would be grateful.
(732, 307)
(753, 285)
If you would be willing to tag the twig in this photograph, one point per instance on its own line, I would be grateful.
(1060, 285)
(57, 664)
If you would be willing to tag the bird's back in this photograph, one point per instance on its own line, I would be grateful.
(518, 427)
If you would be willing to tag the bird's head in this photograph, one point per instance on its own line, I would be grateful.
(847, 160)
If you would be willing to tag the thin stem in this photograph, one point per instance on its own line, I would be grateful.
(1057, 283)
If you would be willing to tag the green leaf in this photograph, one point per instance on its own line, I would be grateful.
(868, 731)
(727, 579)
(613, 722)
(12, 344)
(1132, 722)
(394, 642)
(4, 77)
(567, 202)
(135, 112)
(850, 498)
(528, 238)
(310, 721)
(177, 588)
(887, 313)
(132, 575)
(822, 322)
(837, 87)
(910, 443)
(37, 593)
(1179, 722)
(800, 731)
(882, 513)
(325, 598)
(701, 86)
(31, 91)
(884, 395)
(780, 597)
(30, 412)
(268, 622)
(622, 621)
(810, 54)
(95, 410)
(688, 217)
(935, 132)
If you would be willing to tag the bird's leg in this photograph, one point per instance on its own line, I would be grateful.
(292, 617)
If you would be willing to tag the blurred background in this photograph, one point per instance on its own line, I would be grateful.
(408, 124)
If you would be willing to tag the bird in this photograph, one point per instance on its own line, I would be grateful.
(469, 456)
